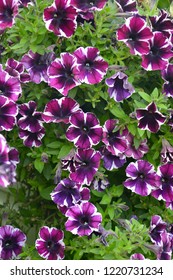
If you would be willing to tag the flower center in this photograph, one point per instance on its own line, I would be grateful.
(133, 36)
(84, 220)
(8, 13)
(88, 64)
(50, 244)
(85, 129)
(8, 244)
(59, 16)
(154, 51)
(165, 180)
(141, 176)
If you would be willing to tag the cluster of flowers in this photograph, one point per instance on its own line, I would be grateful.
(161, 234)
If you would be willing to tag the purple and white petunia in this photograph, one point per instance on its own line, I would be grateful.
(159, 53)
(26, 3)
(62, 73)
(8, 13)
(90, 65)
(142, 177)
(85, 5)
(50, 243)
(100, 184)
(9, 86)
(165, 188)
(32, 139)
(167, 75)
(114, 140)
(68, 162)
(60, 18)
(135, 152)
(11, 242)
(126, 6)
(157, 227)
(83, 219)
(16, 69)
(166, 152)
(137, 256)
(8, 113)
(87, 162)
(111, 161)
(59, 110)
(118, 87)
(29, 118)
(37, 65)
(166, 248)
(135, 34)
(150, 118)
(162, 23)
(85, 130)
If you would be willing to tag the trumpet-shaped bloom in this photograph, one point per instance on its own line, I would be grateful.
(167, 75)
(8, 113)
(85, 5)
(157, 227)
(32, 139)
(8, 12)
(128, 6)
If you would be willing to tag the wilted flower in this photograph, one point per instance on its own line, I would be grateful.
(30, 119)
(167, 75)
(8, 12)
(83, 219)
(60, 18)
(68, 162)
(16, 69)
(85, 5)
(37, 65)
(26, 3)
(150, 118)
(50, 243)
(137, 256)
(166, 152)
(100, 184)
(126, 6)
(85, 130)
(157, 227)
(162, 23)
(63, 73)
(135, 34)
(111, 161)
(142, 177)
(159, 53)
(91, 67)
(11, 242)
(135, 152)
(87, 162)
(8, 113)
(32, 139)
(59, 110)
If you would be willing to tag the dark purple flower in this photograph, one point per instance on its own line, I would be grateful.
(8, 113)
(157, 227)
(16, 69)
(165, 188)
(86, 17)
(13, 156)
(8, 12)
(135, 152)
(63, 73)
(11, 242)
(26, 3)
(159, 53)
(90, 65)
(142, 177)
(137, 256)
(135, 34)
(85, 5)
(68, 162)
(87, 162)
(50, 243)
(111, 161)
(4, 149)
(162, 23)
(83, 219)
(37, 65)
(126, 6)
(9, 86)
(119, 87)
(30, 119)
(59, 110)
(85, 130)
(166, 250)
(114, 140)
(100, 184)
(60, 18)
(150, 118)
(32, 139)
(167, 75)
(166, 152)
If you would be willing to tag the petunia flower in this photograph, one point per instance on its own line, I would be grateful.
(126, 6)
(159, 53)
(60, 110)
(157, 227)
(114, 140)
(32, 139)
(16, 69)
(62, 73)
(26, 3)
(166, 152)
(90, 65)
(100, 184)
(162, 23)
(84, 130)
(142, 177)
(137, 256)
(118, 87)
(68, 162)
(83, 219)
(150, 118)
(135, 34)
(50, 243)
(8, 113)
(37, 65)
(11, 242)
(166, 248)
(8, 13)
(60, 18)
(135, 152)
(87, 162)
(29, 118)
(85, 5)
(167, 75)
(111, 161)
(9, 86)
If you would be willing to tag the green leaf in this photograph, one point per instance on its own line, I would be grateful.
(54, 145)
(145, 96)
(117, 191)
(45, 193)
(64, 151)
(106, 199)
(155, 93)
(111, 212)
(39, 165)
